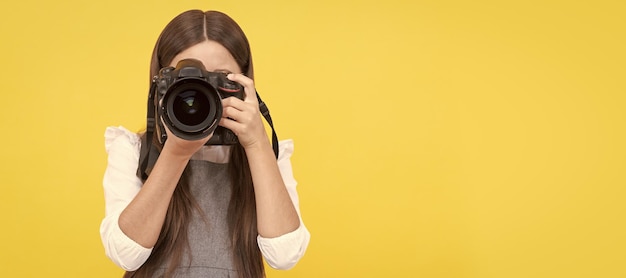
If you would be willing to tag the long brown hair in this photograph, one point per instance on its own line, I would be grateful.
(185, 30)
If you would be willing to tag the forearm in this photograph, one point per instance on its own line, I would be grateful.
(143, 218)
(276, 214)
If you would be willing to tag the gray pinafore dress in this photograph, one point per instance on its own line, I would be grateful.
(210, 246)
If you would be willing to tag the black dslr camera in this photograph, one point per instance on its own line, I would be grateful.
(188, 99)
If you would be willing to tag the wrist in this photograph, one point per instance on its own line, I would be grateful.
(175, 153)
(260, 146)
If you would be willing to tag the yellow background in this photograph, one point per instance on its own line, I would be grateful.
(433, 138)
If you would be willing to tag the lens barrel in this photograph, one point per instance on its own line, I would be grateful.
(191, 108)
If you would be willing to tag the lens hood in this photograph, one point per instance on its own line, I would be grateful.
(191, 108)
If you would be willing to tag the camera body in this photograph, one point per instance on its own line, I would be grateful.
(188, 101)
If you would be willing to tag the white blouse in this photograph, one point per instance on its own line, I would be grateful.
(121, 184)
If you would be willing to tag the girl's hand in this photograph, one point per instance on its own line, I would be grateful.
(243, 116)
(181, 147)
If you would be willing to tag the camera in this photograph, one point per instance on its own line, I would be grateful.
(188, 100)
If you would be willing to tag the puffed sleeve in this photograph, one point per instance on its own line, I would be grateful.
(120, 186)
(285, 251)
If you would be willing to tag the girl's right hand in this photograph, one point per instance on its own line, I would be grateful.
(181, 147)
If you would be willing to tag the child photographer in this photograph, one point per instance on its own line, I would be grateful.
(201, 210)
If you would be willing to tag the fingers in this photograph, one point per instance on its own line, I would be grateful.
(239, 121)
(235, 110)
(231, 124)
(243, 116)
(248, 85)
(182, 147)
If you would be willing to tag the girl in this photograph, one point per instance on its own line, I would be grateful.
(203, 211)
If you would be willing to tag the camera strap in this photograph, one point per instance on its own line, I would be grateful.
(149, 152)
(266, 114)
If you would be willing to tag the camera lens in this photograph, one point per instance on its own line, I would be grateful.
(191, 107)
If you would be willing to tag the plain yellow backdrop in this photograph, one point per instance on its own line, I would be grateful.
(433, 138)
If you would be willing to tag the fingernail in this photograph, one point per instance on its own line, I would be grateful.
(229, 76)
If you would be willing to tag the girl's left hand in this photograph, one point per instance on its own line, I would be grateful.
(243, 116)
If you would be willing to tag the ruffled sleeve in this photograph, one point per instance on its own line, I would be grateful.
(285, 251)
(120, 186)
